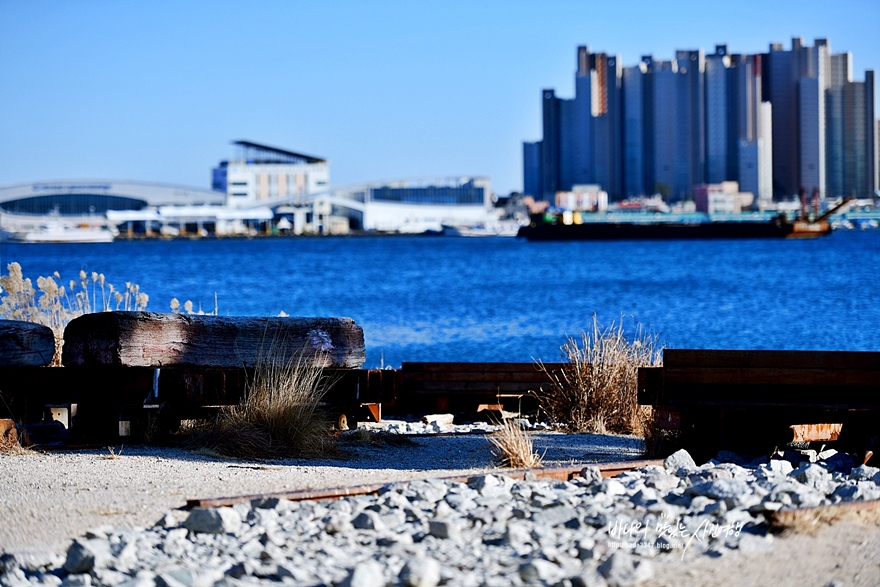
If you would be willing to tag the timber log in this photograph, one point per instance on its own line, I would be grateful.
(25, 344)
(148, 339)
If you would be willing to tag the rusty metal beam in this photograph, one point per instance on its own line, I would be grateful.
(560, 473)
(375, 410)
(815, 432)
(808, 518)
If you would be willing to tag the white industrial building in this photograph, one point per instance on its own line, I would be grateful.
(259, 173)
(411, 206)
(261, 190)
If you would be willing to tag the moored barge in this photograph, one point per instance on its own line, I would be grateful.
(676, 226)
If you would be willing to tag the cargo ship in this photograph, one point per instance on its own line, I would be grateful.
(671, 226)
(576, 226)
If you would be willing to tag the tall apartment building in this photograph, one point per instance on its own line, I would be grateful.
(796, 85)
(532, 169)
(751, 152)
(663, 129)
(851, 151)
(690, 160)
(719, 92)
(550, 181)
(634, 130)
(774, 122)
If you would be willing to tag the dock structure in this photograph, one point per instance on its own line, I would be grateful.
(128, 371)
(754, 401)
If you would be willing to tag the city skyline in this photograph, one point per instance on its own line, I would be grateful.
(778, 123)
(158, 92)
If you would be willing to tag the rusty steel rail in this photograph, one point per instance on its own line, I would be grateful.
(562, 473)
(808, 518)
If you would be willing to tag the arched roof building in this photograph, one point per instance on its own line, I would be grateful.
(84, 197)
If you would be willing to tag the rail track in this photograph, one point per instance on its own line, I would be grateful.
(560, 473)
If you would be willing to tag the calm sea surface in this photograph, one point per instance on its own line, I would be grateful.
(504, 299)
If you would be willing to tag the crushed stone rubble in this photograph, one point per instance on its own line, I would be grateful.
(492, 530)
(444, 424)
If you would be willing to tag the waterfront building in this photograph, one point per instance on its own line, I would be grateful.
(406, 206)
(259, 173)
(32, 207)
(96, 197)
(429, 205)
(722, 198)
(583, 198)
(262, 190)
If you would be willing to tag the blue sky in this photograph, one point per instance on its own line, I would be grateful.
(156, 90)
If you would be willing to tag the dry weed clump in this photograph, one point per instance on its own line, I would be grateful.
(13, 442)
(513, 446)
(596, 390)
(55, 305)
(280, 416)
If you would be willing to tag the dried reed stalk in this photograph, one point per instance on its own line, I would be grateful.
(55, 305)
(596, 389)
(279, 416)
(513, 446)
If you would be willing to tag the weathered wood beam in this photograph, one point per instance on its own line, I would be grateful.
(25, 344)
(148, 339)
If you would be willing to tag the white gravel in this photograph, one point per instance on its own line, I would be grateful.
(47, 499)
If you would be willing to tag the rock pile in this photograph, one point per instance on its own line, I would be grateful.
(443, 424)
(489, 531)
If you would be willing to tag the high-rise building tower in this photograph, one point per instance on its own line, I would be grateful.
(634, 123)
(532, 169)
(813, 82)
(860, 159)
(664, 128)
(754, 132)
(584, 137)
(841, 75)
(550, 147)
(690, 160)
(797, 82)
(718, 115)
(777, 122)
(850, 152)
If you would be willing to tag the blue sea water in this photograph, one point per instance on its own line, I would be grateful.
(504, 299)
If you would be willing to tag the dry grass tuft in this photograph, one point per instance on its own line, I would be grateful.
(14, 443)
(55, 305)
(113, 456)
(9, 443)
(280, 415)
(597, 388)
(513, 446)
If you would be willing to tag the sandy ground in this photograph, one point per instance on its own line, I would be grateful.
(47, 499)
(50, 498)
(843, 554)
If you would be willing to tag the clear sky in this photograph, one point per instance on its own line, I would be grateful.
(155, 91)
